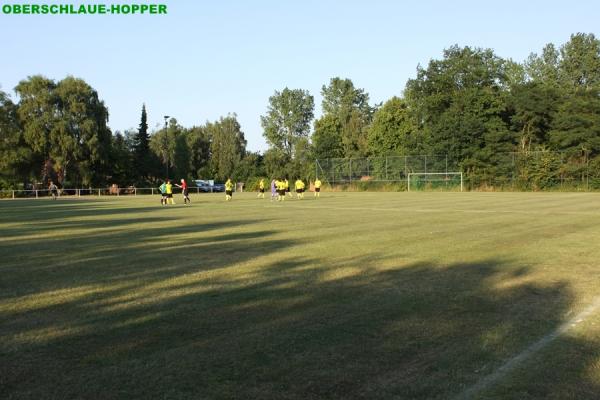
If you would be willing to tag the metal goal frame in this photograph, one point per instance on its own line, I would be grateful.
(411, 174)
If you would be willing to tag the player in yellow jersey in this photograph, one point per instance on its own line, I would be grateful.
(317, 187)
(280, 189)
(261, 189)
(228, 190)
(287, 188)
(299, 189)
(169, 192)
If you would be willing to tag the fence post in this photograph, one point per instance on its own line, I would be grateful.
(425, 164)
(512, 171)
(36, 194)
(98, 192)
(350, 168)
(13, 194)
(587, 171)
(332, 174)
(135, 191)
(386, 167)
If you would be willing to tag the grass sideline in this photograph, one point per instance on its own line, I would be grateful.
(352, 296)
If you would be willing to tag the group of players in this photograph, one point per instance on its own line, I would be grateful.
(280, 188)
(166, 191)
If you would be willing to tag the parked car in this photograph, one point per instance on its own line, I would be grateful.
(209, 186)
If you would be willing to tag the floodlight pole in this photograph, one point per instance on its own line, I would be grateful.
(166, 145)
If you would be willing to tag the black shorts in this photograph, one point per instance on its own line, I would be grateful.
(317, 190)
(261, 190)
(185, 193)
(281, 192)
(299, 190)
(169, 195)
(229, 192)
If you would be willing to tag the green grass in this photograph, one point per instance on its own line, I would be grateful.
(352, 296)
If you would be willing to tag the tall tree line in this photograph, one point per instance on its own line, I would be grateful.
(469, 104)
(58, 132)
(476, 108)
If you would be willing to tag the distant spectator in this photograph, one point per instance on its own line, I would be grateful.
(53, 190)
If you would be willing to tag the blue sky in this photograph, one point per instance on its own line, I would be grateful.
(206, 59)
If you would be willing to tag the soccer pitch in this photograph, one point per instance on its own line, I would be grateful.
(351, 296)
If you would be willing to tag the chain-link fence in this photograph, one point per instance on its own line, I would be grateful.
(90, 192)
(531, 170)
(379, 169)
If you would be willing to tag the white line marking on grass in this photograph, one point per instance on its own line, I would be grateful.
(511, 364)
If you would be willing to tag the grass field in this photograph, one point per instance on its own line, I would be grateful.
(352, 296)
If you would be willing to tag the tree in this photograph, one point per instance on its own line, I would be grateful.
(288, 118)
(346, 116)
(276, 162)
(142, 157)
(82, 135)
(579, 66)
(544, 69)
(227, 147)
(460, 104)
(164, 144)
(67, 124)
(354, 135)
(558, 108)
(250, 166)
(534, 105)
(198, 142)
(181, 156)
(394, 130)
(302, 164)
(15, 156)
(576, 126)
(515, 74)
(37, 109)
(340, 98)
(327, 137)
(121, 161)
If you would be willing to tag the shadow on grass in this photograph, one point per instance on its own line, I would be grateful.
(207, 318)
(114, 253)
(26, 211)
